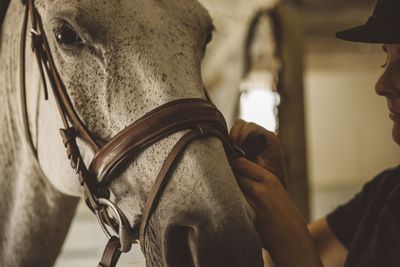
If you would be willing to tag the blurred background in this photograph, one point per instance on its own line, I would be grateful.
(277, 63)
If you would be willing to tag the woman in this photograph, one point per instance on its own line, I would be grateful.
(366, 230)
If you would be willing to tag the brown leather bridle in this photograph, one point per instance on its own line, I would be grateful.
(199, 117)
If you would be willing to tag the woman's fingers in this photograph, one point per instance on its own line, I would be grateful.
(247, 185)
(241, 129)
(249, 188)
(236, 131)
(267, 154)
(252, 170)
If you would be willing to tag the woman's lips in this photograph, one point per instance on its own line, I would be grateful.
(394, 115)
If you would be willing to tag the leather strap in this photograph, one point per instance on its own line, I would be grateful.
(155, 125)
(45, 60)
(67, 113)
(111, 253)
(22, 81)
(201, 131)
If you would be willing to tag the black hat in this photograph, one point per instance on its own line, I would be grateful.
(382, 27)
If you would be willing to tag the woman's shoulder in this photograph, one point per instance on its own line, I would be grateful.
(380, 187)
(385, 178)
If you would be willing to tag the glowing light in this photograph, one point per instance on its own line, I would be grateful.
(259, 104)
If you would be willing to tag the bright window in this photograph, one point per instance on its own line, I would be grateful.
(259, 104)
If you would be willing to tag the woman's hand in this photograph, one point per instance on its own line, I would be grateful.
(280, 225)
(272, 156)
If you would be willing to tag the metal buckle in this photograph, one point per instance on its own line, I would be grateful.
(34, 33)
(124, 229)
(201, 131)
(239, 151)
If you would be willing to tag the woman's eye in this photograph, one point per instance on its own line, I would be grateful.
(65, 35)
(384, 65)
(384, 48)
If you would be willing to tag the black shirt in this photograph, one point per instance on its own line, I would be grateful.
(369, 224)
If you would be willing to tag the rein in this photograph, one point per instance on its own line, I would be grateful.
(200, 117)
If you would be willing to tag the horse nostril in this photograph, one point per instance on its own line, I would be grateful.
(179, 246)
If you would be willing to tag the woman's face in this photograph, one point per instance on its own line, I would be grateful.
(388, 86)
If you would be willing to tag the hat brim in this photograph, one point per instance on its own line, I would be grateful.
(370, 34)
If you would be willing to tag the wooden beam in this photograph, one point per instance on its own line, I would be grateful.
(291, 109)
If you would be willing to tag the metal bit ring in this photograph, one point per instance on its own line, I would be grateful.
(124, 229)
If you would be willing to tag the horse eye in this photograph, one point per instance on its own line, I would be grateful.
(209, 37)
(65, 35)
(208, 40)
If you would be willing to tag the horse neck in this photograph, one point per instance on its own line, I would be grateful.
(35, 217)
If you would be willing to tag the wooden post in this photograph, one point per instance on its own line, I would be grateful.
(291, 109)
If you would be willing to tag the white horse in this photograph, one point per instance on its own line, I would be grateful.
(119, 60)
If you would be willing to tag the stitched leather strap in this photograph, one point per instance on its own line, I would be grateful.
(167, 119)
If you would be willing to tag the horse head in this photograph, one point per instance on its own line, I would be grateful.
(119, 60)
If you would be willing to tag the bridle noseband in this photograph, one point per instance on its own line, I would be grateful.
(199, 117)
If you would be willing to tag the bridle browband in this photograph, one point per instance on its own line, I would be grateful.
(199, 117)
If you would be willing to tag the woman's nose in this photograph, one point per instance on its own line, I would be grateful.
(389, 83)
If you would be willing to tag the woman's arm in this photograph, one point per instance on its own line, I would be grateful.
(280, 225)
(330, 249)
